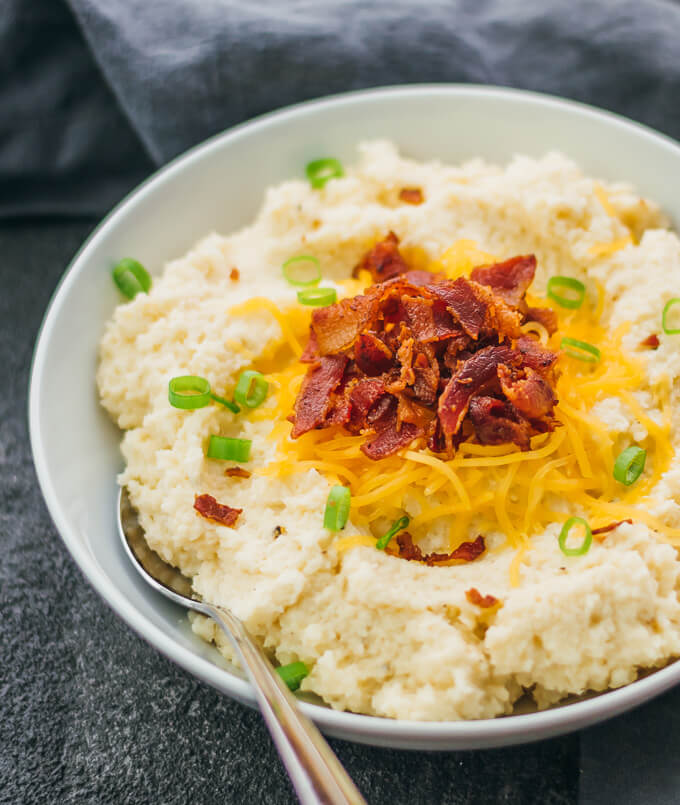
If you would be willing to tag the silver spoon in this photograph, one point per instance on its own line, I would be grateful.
(316, 773)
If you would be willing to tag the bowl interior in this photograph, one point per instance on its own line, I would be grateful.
(219, 187)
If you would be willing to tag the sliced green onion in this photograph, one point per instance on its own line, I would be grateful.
(664, 317)
(337, 508)
(293, 673)
(188, 392)
(321, 170)
(397, 526)
(581, 350)
(226, 448)
(191, 391)
(227, 403)
(251, 389)
(555, 284)
(302, 270)
(131, 277)
(317, 297)
(584, 547)
(629, 465)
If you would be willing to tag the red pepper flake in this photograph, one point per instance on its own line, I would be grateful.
(605, 529)
(234, 274)
(652, 341)
(237, 472)
(208, 507)
(411, 195)
(475, 597)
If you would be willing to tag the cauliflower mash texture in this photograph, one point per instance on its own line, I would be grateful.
(380, 634)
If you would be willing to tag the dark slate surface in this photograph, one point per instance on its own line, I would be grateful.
(90, 714)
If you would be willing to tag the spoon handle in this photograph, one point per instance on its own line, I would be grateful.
(316, 773)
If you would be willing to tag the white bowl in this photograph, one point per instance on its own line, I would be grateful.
(219, 186)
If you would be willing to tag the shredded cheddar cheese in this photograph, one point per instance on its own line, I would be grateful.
(487, 488)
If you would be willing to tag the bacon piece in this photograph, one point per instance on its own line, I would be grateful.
(372, 356)
(497, 422)
(470, 378)
(429, 320)
(462, 301)
(465, 552)
(389, 440)
(405, 358)
(362, 398)
(605, 529)
(411, 195)
(384, 260)
(534, 355)
(337, 326)
(528, 392)
(509, 279)
(237, 472)
(426, 376)
(208, 507)
(652, 341)
(477, 308)
(484, 601)
(543, 315)
(383, 413)
(311, 351)
(314, 399)
(234, 274)
(418, 277)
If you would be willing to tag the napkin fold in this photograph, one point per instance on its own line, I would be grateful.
(96, 93)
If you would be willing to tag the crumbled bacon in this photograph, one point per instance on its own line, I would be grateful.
(497, 422)
(208, 507)
(237, 472)
(542, 315)
(473, 376)
(484, 601)
(652, 341)
(417, 355)
(372, 355)
(314, 399)
(465, 552)
(605, 529)
(411, 195)
(510, 279)
(384, 260)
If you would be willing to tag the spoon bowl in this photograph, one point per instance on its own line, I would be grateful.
(316, 773)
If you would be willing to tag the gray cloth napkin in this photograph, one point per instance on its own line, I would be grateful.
(95, 93)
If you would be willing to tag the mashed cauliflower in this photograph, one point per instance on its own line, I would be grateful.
(382, 635)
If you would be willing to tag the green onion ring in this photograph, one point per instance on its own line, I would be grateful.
(320, 171)
(396, 527)
(337, 508)
(293, 673)
(189, 392)
(629, 465)
(317, 297)
(570, 284)
(251, 389)
(581, 350)
(291, 266)
(664, 317)
(226, 448)
(584, 547)
(131, 277)
(227, 403)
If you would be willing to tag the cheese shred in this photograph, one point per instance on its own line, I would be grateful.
(491, 488)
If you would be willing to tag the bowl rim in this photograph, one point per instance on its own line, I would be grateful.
(353, 726)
